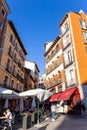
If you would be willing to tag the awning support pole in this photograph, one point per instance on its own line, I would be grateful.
(37, 111)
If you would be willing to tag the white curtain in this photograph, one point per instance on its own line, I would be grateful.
(33, 105)
(21, 104)
(6, 103)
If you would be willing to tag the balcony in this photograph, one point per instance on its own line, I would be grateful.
(8, 68)
(68, 63)
(20, 78)
(15, 60)
(71, 83)
(56, 65)
(57, 82)
(14, 89)
(14, 73)
(54, 83)
(52, 67)
(10, 53)
(19, 64)
(3, 85)
(65, 31)
(18, 89)
(66, 45)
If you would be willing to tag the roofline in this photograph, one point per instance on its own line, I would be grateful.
(34, 63)
(17, 36)
(6, 6)
(64, 18)
(37, 67)
(55, 41)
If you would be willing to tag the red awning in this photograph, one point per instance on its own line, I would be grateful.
(67, 94)
(55, 97)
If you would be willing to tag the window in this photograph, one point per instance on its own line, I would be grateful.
(69, 55)
(10, 51)
(8, 64)
(57, 48)
(71, 74)
(85, 36)
(65, 27)
(20, 88)
(1, 25)
(67, 40)
(67, 36)
(6, 81)
(83, 24)
(14, 69)
(86, 49)
(16, 47)
(58, 60)
(52, 53)
(11, 38)
(17, 86)
(12, 84)
(18, 72)
(20, 52)
(3, 12)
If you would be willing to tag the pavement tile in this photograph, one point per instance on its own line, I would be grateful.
(63, 122)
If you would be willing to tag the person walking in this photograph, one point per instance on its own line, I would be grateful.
(83, 110)
(53, 109)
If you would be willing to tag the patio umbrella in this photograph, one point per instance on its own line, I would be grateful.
(41, 94)
(8, 94)
(31, 93)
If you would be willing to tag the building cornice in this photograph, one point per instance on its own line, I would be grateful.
(64, 18)
(6, 6)
(17, 36)
(53, 44)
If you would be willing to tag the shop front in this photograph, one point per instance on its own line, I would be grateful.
(71, 97)
(67, 101)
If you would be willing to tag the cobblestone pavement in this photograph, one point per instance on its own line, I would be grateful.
(63, 122)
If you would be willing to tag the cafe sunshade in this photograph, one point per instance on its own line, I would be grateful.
(39, 93)
(8, 94)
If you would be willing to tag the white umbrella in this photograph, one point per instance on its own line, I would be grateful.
(41, 94)
(30, 93)
(8, 94)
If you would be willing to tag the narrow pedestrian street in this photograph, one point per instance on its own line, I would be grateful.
(63, 122)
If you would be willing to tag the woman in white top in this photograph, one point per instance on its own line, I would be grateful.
(8, 117)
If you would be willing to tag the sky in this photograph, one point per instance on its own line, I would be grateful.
(37, 22)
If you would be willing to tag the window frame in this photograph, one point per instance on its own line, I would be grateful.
(3, 12)
(85, 37)
(83, 26)
(1, 25)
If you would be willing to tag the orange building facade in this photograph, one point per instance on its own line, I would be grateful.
(66, 62)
